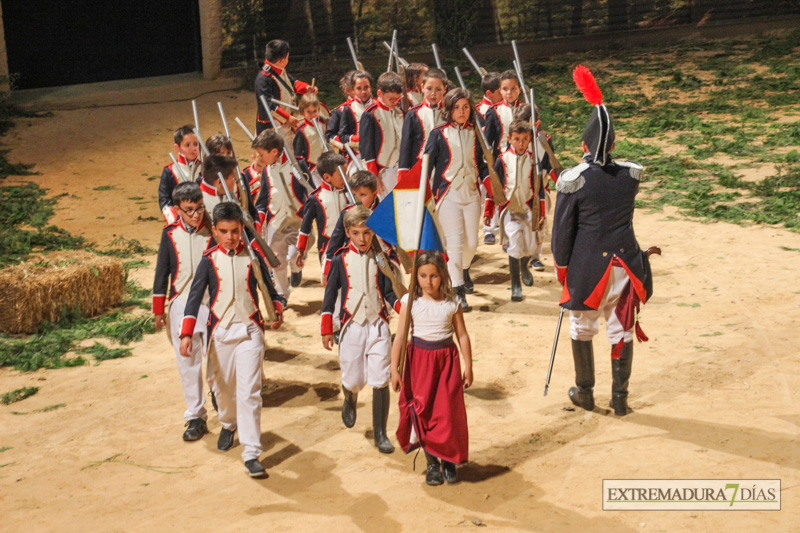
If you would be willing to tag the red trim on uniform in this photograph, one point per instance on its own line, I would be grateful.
(327, 324)
(637, 285)
(302, 242)
(397, 306)
(208, 189)
(281, 113)
(159, 304)
(187, 326)
(372, 166)
(277, 306)
(301, 87)
(594, 299)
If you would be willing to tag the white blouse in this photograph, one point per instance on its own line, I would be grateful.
(432, 320)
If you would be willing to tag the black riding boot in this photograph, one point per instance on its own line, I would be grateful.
(349, 408)
(469, 287)
(527, 277)
(621, 374)
(462, 297)
(433, 475)
(380, 414)
(516, 284)
(582, 395)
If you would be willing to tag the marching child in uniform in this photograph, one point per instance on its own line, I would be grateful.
(421, 119)
(457, 165)
(490, 84)
(501, 115)
(323, 206)
(415, 73)
(432, 411)
(274, 82)
(365, 343)
(379, 132)
(182, 245)
(516, 171)
(364, 185)
(332, 130)
(212, 188)
(235, 332)
(351, 113)
(188, 148)
(308, 145)
(280, 208)
(252, 175)
(219, 144)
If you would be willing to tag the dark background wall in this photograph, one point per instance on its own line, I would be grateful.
(51, 42)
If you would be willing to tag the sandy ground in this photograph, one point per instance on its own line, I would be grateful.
(714, 391)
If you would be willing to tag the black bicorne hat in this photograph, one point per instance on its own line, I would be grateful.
(599, 134)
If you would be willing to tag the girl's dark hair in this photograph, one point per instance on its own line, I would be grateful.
(413, 72)
(428, 257)
(346, 83)
(365, 75)
(450, 99)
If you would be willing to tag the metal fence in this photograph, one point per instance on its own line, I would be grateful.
(318, 28)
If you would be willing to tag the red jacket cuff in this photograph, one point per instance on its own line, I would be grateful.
(302, 242)
(561, 274)
(277, 306)
(187, 327)
(281, 113)
(553, 176)
(158, 304)
(327, 324)
(398, 306)
(326, 268)
(354, 138)
(488, 208)
(300, 87)
(541, 209)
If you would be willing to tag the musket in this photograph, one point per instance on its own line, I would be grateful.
(402, 62)
(356, 62)
(185, 179)
(304, 180)
(538, 166)
(518, 68)
(402, 256)
(279, 102)
(436, 56)
(391, 50)
(480, 70)
(558, 168)
(245, 189)
(498, 194)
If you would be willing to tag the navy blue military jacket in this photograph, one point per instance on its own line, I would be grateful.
(593, 224)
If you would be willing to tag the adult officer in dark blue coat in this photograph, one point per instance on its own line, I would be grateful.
(598, 260)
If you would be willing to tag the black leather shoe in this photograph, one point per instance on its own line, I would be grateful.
(434, 474)
(450, 472)
(254, 468)
(195, 429)
(469, 287)
(225, 441)
(462, 298)
(349, 408)
(296, 279)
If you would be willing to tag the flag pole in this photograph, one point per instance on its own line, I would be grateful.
(412, 286)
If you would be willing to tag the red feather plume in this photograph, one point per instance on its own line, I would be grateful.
(587, 85)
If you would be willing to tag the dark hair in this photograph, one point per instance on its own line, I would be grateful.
(520, 126)
(435, 74)
(362, 74)
(182, 132)
(364, 179)
(490, 82)
(328, 162)
(268, 140)
(346, 83)
(413, 72)
(225, 211)
(390, 82)
(450, 99)
(356, 216)
(217, 143)
(509, 75)
(214, 164)
(186, 192)
(276, 50)
(523, 112)
(430, 257)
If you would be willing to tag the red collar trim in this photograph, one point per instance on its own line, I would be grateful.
(182, 160)
(238, 250)
(486, 101)
(439, 106)
(197, 229)
(208, 189)
(380, 104)
(365, 104)
(273, 68)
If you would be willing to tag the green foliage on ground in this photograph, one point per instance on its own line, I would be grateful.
(17, 395)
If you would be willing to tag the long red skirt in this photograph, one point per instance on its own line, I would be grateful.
(432, 410)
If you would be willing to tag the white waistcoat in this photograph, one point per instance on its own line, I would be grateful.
(462, 173)
(506, 116)
(281, 199)
(391, 123)
(518, 184)
(189, 248)
(233, 302)
(332, 202)
(430, 118)
(364, 301)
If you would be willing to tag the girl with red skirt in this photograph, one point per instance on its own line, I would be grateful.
(432, 411)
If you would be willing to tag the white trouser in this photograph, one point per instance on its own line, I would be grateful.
(283, 242)
(190, 368)
(238, 352)
(365, 353)
(585, 324)
(388, 177)
(460, 223)
(520, 234)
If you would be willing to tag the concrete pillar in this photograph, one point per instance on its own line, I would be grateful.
(5, 87)
(211, 37)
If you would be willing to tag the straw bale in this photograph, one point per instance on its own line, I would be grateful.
(39, 289)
